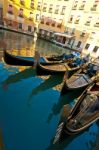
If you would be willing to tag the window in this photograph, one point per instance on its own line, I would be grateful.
(60, 23)
(93, 35)
(73, 31)
(69, 41)
(97, 23)
(51, 8)
(63, 10)
(71, 19)
(87, 46)
(94, 7)
(57, 9)
(31, 16)
(83, 33)
(75, 5)
(88, 21)
(10, 9)
(44, 7)
(22, 2)
(78, 45)
(29, 28)
(20, 25)
(95, 49)
(48, 21)
(32, 4)
(82, 5)
(42, 20)
(53, 22)
(37, 17)
(77, 20)
(39, 6)
(21, 13)
(10, 23)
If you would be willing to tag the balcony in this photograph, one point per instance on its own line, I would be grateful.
(62, 13)
(32, 5)
(39, 8)
(94, 8)
(76, 22)
(81, 8)
(87, 23)
(74, 8)
(69, 21)
(50, 10)
(44, 9)
(56, 11)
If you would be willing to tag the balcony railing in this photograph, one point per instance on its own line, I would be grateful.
(62, 13)
(50, 10)
(74, 8)
(87, 23)
(93, 9)
(76, 22)
(81, 8)
(56, 11)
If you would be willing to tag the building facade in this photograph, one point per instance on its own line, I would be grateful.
(78, 18)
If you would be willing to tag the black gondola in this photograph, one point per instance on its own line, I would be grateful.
(24, 61)
(70, 67)
(82, 115)
(63, 57)
(81, 79)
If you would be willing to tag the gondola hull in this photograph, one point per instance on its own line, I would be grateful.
(60, 68)
(81, 79)
(24, 61)
(75, 119)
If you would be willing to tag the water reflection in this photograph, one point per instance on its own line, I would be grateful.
(63, 100)
(19, 41)
(27, 73)
(47, 84)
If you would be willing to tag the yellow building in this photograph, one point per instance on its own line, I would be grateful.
(77, 18)
(20, 15)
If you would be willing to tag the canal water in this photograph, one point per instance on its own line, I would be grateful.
(31, 105)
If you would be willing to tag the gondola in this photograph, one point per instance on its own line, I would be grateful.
(24, 61)
(70, 67)
(63, 57)
(75, 119)
(82, 78)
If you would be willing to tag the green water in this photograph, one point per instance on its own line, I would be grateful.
(30, 106)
